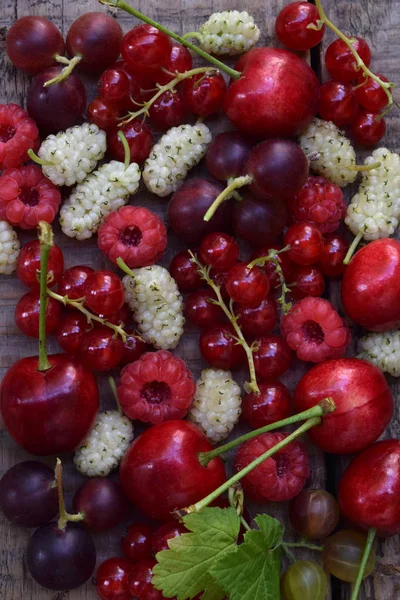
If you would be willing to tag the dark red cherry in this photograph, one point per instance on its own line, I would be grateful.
(257, 221)
(219, 250)
(179, 61)
(185, 272)
(203, 94)
(306, 243)
(140, 585)
(166, 532)
(200, 311)
(112, 579)
(370, 94)
(273, 357)
(73, 281)
(219, 348)
(100, 350)
(368, 128)
(27, 314)
(340, 61)
(102, 113)
(257, 320)
(71, 331)
(136, 544)
(245, 285)
(104, 292)
(140, 141)
(334, 250)
(114, 86)
(338, 103)
(134, 346)
(272, 404)
(102, 502)
(169, 110)
(145, 48)
(307, 281)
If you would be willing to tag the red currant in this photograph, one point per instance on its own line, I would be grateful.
(166, 532)
(27, 314)
(140, 585)
(139, 138)
(179, 61)
(338, 103)
(145, 48)
(138, 83)
(305, 241)
(219, 348)
(134, 346)
(102, 113)
(204, 94)
(269, 268)
(273, 357)
(73, 281)
(272, 404)
(114, 86)
(340, 61)
(28, 265)
(104, 292)
(368, 128)
(291, 26)
(308, 281)
(246, 285)
(136, 544)
(219, 278)
(370, 94)
(333, 254)
(257, 320)
(185, 272)
(71, 332)
(101, 350)
(200, 311)
(113, 579)
(122, 316)
(219, 250)
(169, 110)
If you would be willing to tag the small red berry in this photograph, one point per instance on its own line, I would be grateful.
(166, 532)
(204, 94)
(185, 272)
(102, 113)
(139, 138)
(219, 348)
(337, 103)
(306, 243)
(104, 292)
(140, 585)
(247, 285)
(179, 61)
(273, 357)
(307, 281)
(200, 311)
(73, 281)
(114, 86)
(368, 128)
(27, 314)
(71, 332)
(269, 268)
(333, 254)
(18, 134)
(169, 110)
(28, 265)
(101, 350)
(272, 404)
(136, 544)
(134, 346)
(370, 94)
(340, 61)
(219, 250)
(145, 48)
(292, 26)
(257, 320)
(112, 579)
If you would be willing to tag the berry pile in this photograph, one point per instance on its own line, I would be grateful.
(262, 234)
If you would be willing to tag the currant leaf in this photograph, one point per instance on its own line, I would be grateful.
(183, 571)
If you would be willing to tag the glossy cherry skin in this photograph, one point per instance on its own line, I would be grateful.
(29, 263)
(306, 243)
(370, 286)
(166, 532)
(314, 514)
(368, 128)
(27, 314)
(226, 155)
(134, 346)
(219, 348)
(71, 332)
(114, 86)
(104, 292)
(145, 48)
(340, 61)
(200, 311)
(307, 281)
(269, 267)
(257, 320)
(169, 110)
(291, 26)
(273, 357)
(245, 285)
(72, 282)
(370, 94)
(103, 503)
(364, 403)
(49, 412)
(338, 103)
(204, 95)
(113, 579)
(136, 544)
(370, 487)
(140, 585)
(161, 471)
(257, 221)
(219, 250)
(185, 272)
(179, 61)
(272, 404)
(257, 102)
(100, 350)
(334, 250)
(102, 113)
(140, 141)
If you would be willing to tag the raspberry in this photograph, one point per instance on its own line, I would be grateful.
(315, 330)
(18, 134)
(156, 388)
(320, 202)
(135, 234)
(27, 197)
(280, 477)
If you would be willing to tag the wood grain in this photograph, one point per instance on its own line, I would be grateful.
(381, 24)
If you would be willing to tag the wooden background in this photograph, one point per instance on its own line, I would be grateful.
(379, 23)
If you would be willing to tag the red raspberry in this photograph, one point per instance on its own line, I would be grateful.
(320, 202)
(280, 477)
(156, 388)
(315, 330)
(135, 234)
(27, 197)
(18, 134)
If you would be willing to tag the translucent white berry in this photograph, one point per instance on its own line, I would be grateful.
(383, 350)
(370, 216)
(157, 304)
(73, 153)
(216, 406)
(384, 181)
(105, 446)
(101, 192)
(9, 248)
(228, 32)
(180, 149)
(335, 154)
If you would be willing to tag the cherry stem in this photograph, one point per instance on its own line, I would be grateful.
(250, 386)
(324, 407)
(46, 243)
(353, 247)
(201, 504)
(64, 517)
(38, 160)
(359, 62)
(113, 386)
(132, 11)
(66, 72)
(271, 256)
(127, 150)
(367, 551)
(370, 167)
(236, 183)
(124, 267)
(178, 77)
(78, 304)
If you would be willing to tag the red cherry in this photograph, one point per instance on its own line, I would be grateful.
(169, 110)
(307, 281)
(113, 579)
(49, 412)
(338, 103)
(370, 488)
(185, 272)
(272, 404)
(100, 350)
(370, 94)
(245, 285)
(161, 471)
(368, 128)
(140, 585)
(333, 254)
(73, 281)
(340, 61)
(257, 320)
(204, 94)
(166, 532)
(273, 357)
(200, 311)
(291, 26)
(136, 544)
(28, 265)
(364, 403)
(114, 86)
(104, 292)
(139, 138)
(134, 346)
(179, 61)
(102, 113)
(219, 348)
(306, 243)
(219, 250)
(219, 278)
(71, 332)
(27, 314)
(145, 48)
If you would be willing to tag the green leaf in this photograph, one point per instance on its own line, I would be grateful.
(251, 571)
(184, 570)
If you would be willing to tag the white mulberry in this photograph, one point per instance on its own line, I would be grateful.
(228, 32)
(383, 350)
(370, 216)
(9, 248)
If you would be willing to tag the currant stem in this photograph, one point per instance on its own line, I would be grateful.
(367, 552)
(127, 150)
(64, 517)
(38, 160)
(46, 243)
(352, 248)
(132, 11)
(250, 386)
(113, 386)
(323, 408)
(236, 183)
(285, 289)
(66, 72)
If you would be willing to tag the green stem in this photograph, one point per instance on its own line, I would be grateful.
(352, 248)
(38, 160)
(192, 34)
(303, 545)
(285, 289)
(62, 59)
(64, 517)
(324, 407)
(367, 551)
(46, 243)
(127, 150)
(124, 267)
(227, 193)
(113, 386)
(66, 72)
(132, 11)
(370, 167)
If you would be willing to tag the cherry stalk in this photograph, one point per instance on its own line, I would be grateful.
(367, 551)
(64, 517)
